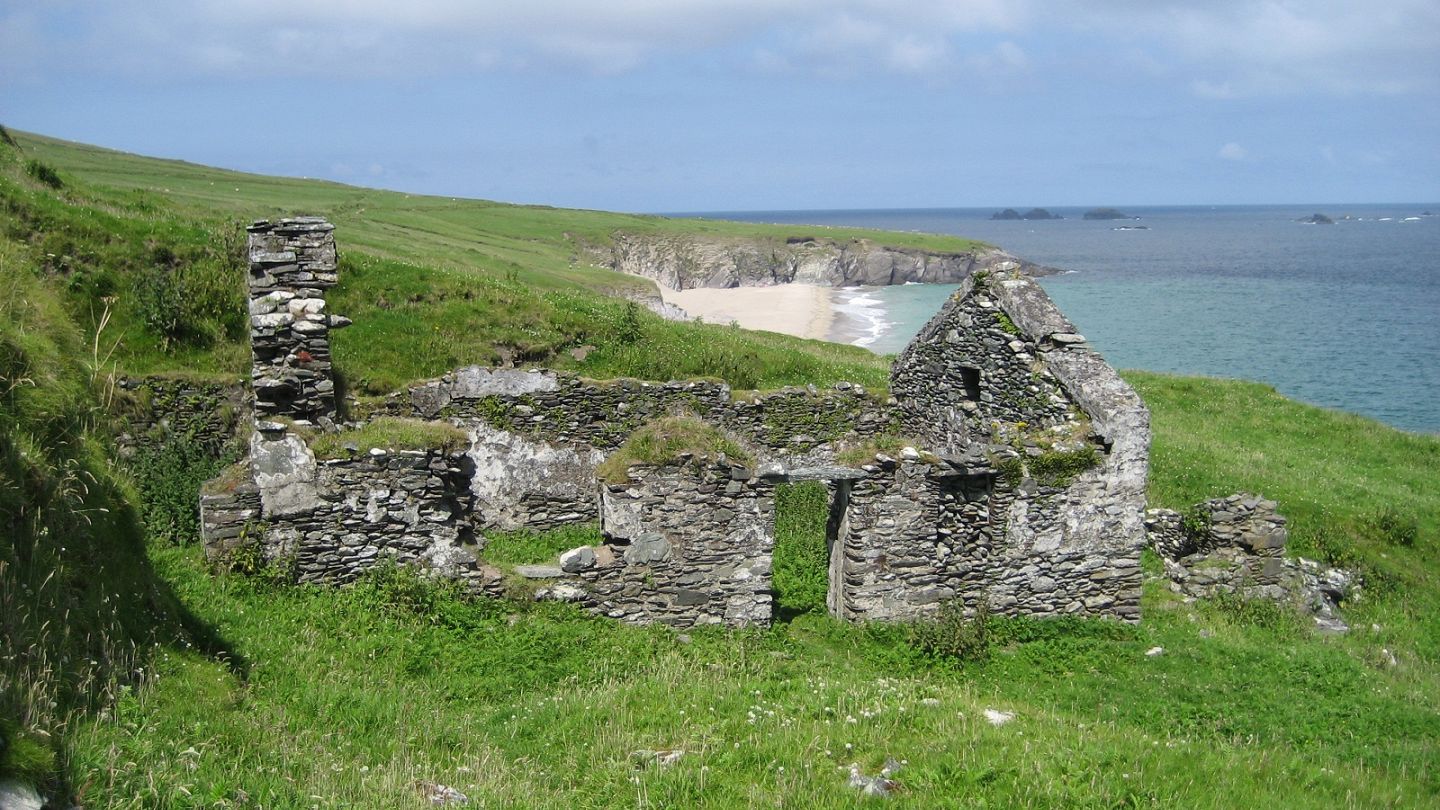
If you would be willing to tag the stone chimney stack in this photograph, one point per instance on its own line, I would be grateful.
(292, 264)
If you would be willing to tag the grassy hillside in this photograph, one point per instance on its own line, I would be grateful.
(432, 283)
(144, 681)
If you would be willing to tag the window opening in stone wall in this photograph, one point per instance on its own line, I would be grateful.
(801, 562)
(970, 379)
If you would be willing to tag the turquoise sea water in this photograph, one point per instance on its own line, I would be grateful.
(1345, 315)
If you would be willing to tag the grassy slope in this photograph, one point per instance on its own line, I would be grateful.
(410, 226)
(540, 707)
(432, 283)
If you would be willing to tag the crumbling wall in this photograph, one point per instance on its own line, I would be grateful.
(538, 435)
(330, 520)
(156, 411)
(1236, 545)
(690, 544)
(561, 408)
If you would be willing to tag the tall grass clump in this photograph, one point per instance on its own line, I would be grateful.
(524, 547)
(953, 636)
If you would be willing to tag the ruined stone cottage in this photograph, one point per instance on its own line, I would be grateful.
(1020, 479)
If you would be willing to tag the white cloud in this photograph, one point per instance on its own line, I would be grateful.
(1232, 151)
(1219, 49)
(1248, 48)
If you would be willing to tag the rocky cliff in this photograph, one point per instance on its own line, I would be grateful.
(682, 262)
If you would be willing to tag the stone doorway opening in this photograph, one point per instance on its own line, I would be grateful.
(806, 565)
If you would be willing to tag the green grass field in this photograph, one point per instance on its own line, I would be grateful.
(253, 694)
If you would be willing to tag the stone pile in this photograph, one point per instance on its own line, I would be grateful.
(1236, 545)
(292, 264)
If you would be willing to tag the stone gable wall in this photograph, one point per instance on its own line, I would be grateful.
(971, 367)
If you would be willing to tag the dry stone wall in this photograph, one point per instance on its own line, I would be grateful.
(330, 520)
(556, 407)
(538, 435)
(918, 533)
(164, 409)
(561, 408)
(229, 520)
(690, 544)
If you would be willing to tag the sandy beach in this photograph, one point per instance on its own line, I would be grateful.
(802, 310)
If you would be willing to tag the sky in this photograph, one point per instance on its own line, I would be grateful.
(703, 105)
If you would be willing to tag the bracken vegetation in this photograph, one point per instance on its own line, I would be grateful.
(132, 676)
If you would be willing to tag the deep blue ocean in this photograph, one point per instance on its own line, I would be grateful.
(1345, 315)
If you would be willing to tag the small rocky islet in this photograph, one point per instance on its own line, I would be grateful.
(1032, 214)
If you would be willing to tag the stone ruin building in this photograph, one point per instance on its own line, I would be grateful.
(1021, 483)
